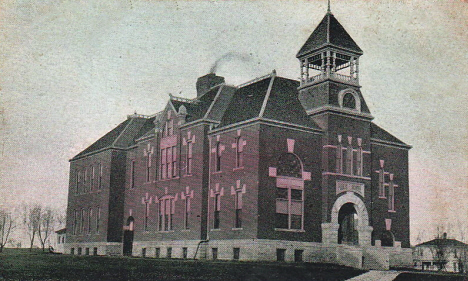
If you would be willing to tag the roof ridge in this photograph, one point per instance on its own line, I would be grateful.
(121, 133)
(256, 79)
(267, 96)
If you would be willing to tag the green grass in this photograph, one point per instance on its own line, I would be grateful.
(20, 264)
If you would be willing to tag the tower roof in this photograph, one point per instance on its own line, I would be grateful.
(329, 32)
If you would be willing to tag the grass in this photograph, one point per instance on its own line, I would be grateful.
(20, 264)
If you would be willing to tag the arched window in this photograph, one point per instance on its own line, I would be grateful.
(349, 99)
(289, 165)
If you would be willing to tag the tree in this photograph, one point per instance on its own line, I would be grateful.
(46, 225)
(32, 221)
(7, 224)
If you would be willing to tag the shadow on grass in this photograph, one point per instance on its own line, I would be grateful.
(24, 265)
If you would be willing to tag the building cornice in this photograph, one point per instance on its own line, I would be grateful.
(390, 144)
(340, 111)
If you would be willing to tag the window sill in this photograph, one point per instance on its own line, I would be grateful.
(215, 229)
(165, 231)
(380, 197)
(391, 211)
(237, 228)
(185, 230)
(187, 175)
(217, 172)
(238, 168)
(289, 230)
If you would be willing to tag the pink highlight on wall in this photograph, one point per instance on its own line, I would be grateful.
(272, 171)
(359, 142)
(239, 132)
(291, 145)
(382, 162)
(306, 176)
(388, 224)
(339, 138)
(350, 140)
(391, 177)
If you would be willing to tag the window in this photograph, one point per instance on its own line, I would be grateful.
(75, 221)
(381, 183)
(157, 252)
(169, 253)
(339, 159)
(174, 162)
(280, 254)
(187, 212)
(132, 175)
(87, 251)
(77, 191)
(349, 101)
(391, 196)
(98, 218)
(165, 214)
(214, 253)
(289, 205)
(189, 157)
(95, 251)
(85, 178)
(82, 224)
(90, 215)
(169, 130)
(72, 251)
(92, 177)
(238, 206)
(100, 176)
(349, 160)
(146, 215)
(169, 162)
(236, 254)
(184, 252)
(218, 157)
(79, 251)
(143, 252)
(163, 164)
(217, 208)
(359, 168)
(148, 167)
(298, 255)
(239, 150)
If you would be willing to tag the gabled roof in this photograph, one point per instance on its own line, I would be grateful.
(381, 134)
(270, 97)
(443, 242)
(329, 32)
(122, 136)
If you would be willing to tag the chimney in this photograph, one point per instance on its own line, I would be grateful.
(208, 81)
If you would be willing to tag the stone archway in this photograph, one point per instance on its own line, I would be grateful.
(330, 230)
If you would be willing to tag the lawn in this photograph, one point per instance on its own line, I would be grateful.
(20, 264)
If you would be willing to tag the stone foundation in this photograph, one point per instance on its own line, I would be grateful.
(368, 257)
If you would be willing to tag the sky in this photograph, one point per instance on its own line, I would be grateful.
(70, 71)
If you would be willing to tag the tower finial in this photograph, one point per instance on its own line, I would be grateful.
(329, 9)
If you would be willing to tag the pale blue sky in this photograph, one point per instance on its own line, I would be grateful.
(72, 70)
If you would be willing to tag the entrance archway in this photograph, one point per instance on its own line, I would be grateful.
(128, 237)
(348, 221)
(330, 231)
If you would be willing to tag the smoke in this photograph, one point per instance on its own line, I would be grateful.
(229, 57)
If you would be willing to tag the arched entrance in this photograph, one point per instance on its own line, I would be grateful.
(128, 237)
(348, 221)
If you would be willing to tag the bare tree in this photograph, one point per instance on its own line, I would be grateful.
(7, 224)
(439, 249)
(32, 222)
(46, 226)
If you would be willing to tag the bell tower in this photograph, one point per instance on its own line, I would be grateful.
(329, 64)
